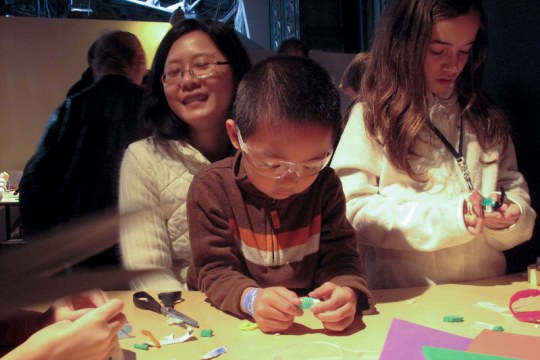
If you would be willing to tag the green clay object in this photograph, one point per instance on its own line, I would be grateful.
(307, 302)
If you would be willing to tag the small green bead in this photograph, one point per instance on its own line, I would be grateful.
(498, 328)
(141, 346)
(206, 332)
(453, 318)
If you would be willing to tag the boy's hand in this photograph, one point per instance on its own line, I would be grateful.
(275, 309)
(506, 216)
(338, 308)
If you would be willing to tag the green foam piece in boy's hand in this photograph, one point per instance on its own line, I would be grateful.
(308, 302)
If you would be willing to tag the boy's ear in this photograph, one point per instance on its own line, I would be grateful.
(233, 135)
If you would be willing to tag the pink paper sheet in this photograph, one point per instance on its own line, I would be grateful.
(405, 340)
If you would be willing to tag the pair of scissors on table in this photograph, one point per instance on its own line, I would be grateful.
(145, 301)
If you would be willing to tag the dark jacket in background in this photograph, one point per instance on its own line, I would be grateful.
(75, 170)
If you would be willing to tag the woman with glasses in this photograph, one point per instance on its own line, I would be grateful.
(190, 92)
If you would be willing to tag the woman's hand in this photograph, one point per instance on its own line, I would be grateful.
(275, 309)
(338, 309)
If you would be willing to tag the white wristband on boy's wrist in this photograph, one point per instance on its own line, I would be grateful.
(249, 301)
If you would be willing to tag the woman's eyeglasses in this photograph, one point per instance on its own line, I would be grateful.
(200, 70)
(277, 169)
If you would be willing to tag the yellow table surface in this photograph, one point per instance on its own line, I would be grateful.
(424, 305)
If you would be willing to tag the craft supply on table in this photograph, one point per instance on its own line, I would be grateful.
(452, 318)
(214, 353)
(141, 346)
(145, 301)
(125, 332)
(207, 333)
(169, 339)
(521, 300)
(248, 325)
(153, 340)
(485, 325)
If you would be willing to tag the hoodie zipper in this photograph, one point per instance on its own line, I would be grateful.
(274, 216)
(274, 224)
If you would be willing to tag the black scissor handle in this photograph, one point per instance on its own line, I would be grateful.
(500, 203)
(170, 298)
(503, 194)
(145, 301)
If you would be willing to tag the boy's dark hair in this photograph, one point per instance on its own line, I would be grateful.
(286, 90)
(157, 115)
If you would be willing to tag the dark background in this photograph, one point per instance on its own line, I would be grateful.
(513, 80)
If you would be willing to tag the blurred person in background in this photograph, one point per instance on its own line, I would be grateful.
(293, 47)
(75, 170)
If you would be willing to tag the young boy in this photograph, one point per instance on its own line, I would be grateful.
(269, 224)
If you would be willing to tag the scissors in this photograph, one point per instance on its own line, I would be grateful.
(145, 301)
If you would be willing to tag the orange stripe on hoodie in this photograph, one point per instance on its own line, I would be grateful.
(280, 241)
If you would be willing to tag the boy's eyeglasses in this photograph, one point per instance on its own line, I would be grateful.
(277, 169)
(200, 70)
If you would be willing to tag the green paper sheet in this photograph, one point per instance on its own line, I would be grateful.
(434, 353)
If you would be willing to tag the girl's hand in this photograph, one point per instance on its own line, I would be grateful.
(275, 309)
(473, 213)
(338, 309)
(506, 216)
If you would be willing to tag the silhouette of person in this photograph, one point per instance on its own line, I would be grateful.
(75, 170)
(293, 47)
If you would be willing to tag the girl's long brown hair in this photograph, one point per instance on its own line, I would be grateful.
(393, 87)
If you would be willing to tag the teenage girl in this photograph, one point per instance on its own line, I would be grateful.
(425, 153)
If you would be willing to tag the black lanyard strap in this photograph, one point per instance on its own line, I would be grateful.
(458, 153)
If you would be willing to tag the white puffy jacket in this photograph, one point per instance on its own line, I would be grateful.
(156, 177)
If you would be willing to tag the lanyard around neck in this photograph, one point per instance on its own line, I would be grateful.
(458, 154)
